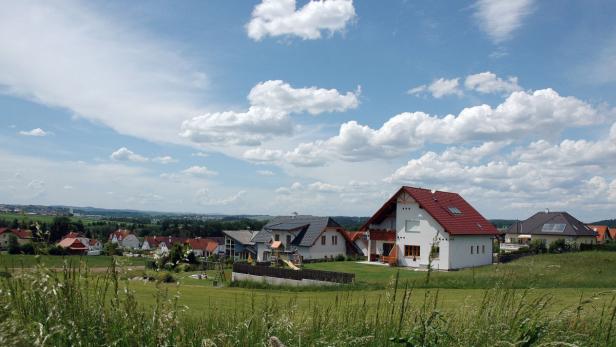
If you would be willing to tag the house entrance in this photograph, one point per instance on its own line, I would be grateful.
(387, 247)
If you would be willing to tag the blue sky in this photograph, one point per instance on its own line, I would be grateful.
(316, 107)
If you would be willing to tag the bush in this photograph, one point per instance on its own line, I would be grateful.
(537, 246)
(13, 245)
(150, 264)
(340, 257)
(27, 248)
(183, 268)
(166, 277)
(57, 250)
(561, 246)
(112, 249)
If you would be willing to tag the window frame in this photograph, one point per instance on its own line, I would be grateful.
(323, 240)
(409, 230)
(412, 251)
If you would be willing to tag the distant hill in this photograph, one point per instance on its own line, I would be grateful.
(609, 222)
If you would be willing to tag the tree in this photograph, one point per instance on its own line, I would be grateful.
(176, 254)
(61, 226)
(13, 245)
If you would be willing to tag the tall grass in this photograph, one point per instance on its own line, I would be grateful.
(75, 308)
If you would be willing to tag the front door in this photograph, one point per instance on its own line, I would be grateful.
(387, 248)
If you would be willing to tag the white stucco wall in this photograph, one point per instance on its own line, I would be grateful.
(319, 251)
(130, 241)
(424, 235)
(460, 251)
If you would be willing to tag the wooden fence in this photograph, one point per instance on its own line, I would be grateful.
(317, 275)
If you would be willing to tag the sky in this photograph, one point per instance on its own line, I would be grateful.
(324, 107)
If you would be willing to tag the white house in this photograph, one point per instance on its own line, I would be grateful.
(417, 227)
(124, 238)
(307, 236)
(95, 247)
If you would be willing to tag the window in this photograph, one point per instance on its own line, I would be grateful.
(411, 226)
(553, 228)
(288, 240)
(276, 237)
(472, 249)
(411, 251)
(323, 238)
(454, 210)
(483, 249)
(334, 239)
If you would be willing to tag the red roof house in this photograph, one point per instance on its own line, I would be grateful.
(419, 227)
(23, 236)
(602, 231)
(73, 245)
(202, 247)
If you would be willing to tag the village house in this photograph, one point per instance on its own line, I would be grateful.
(308, 237)
(548, 227)
(161, 244)
(124, 239)
(418, 228)
(95, 247)
(612, 232)
(73, 245)
(202, 247)
(23, 236)
(603, 233)
(238, 244)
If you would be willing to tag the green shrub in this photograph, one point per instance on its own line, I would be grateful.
(340, 257)
(57, 250)
(166, 277)
(27, 248)
(537, 247)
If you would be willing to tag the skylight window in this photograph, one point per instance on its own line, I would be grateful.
(454, 210)
(553, 228)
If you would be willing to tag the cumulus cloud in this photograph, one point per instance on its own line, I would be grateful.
(522, 114)
(265, 173)
(499, 19)
(152, 88)
(439, 88)
(125, 154)
(271, 104)
(282, 18)
(487, 82)
(34, 132)
(199, 171)
(315, 187)
(166, 159)
(204, 197)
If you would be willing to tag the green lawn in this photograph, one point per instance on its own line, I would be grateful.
(26, 261)
(569, 270)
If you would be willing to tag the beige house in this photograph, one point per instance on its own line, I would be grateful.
(549, 227)
(23, 236)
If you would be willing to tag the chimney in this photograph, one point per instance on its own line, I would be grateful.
(547, 210)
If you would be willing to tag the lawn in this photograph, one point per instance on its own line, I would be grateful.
(568, 270)
(54, 261)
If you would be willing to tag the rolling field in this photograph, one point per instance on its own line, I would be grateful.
(28, 261)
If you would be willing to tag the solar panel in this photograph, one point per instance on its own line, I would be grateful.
(454, 210)
(553, 227)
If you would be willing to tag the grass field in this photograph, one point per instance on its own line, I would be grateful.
(568, 270)
(27, 261)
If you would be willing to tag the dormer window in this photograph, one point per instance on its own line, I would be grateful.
(454, 210)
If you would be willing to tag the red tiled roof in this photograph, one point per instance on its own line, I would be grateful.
(203, 244)
(93, 242)
(72, 243)
(20, 233)
(602, 232)
(437, 204)
(72, 234)
(120, 234)
(154, 241)
(354, 235)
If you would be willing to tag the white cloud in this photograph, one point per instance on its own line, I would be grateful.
(125, 154)
(522, 114)
(77, 57)
(199, 171)
(268, 115)
(164, 159)
(68, 187)
(201, 154)
(34, 132)
(203, 197)
(500, 18)
(487, 82)
(281, 18)
(265, 173)
(439, 88)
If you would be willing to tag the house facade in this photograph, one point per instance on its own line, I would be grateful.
(202, 247)
(548, 227)
(23, 236)
(73, 245)
(603, 233)
(418, 228)
(308, 237)
(124, 238)
(238, 244)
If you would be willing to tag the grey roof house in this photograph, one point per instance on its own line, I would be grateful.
(238, 244)
(550, 226)
(309, 236)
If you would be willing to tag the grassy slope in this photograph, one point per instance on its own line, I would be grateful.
(21, 260)
(572, 270)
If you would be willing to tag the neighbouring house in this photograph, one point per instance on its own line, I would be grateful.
(419, 227)
(79, 236)
(612, 232)
(202, 247)
(360, 240)
(95, 247)
(309, 237)
(161, 244)
(124, 238)
(548, 227)
(73, 245)
(23, 236)
(238, 244)
(603, 233)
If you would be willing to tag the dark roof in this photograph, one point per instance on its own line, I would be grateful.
(535, 223)
(309, 228)
(450, 210)
(244, 237)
